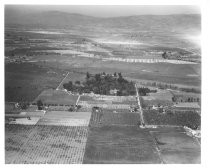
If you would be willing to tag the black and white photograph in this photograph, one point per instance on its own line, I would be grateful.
(102, 84)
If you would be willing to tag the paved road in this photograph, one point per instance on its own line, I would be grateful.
(140, 109)
(62, 81)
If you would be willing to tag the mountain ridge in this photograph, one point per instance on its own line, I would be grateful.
(59, 19)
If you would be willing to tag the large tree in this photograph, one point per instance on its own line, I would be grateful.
(39, 105)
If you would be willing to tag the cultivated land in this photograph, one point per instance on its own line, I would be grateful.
(45, 144)
(113, 144)
(41, 56)
(177, 147)
(109, 118)
(61, 118)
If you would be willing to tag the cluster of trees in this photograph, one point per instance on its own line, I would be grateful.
(191, 90)
(187, 99)
(169, 86)
(102, 83)
(172, 55)
(165, 55)
(190, 119)
(143, 91)
(40, 105)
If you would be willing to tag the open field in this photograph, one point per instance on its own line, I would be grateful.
(25, 81)
(162, 97)
(61, 118)
(177, 147)
(110, 118)
(46, 144)
(57, 97)
(114, 144)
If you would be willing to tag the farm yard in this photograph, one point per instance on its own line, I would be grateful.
(45, 144)
(117, 144)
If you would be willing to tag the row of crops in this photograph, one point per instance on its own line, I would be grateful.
(118, 144)
(46, 144)
(110, 118)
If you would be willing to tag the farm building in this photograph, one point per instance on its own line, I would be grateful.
(113, 92)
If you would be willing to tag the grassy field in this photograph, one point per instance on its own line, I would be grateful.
(45, 144)
(57, 97)
(184, 74)
(177, 148)
(163, 97)
(25, 81)
(114, 144)
(161, 72)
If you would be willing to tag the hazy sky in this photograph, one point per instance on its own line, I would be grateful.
(113, 10)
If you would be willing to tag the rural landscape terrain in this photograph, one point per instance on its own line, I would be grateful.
(89, 90)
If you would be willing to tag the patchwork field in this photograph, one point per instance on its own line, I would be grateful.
(45, 144)
(113, 144)
(56, 97)
(176, 147)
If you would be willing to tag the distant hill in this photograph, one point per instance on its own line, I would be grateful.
(58, 20)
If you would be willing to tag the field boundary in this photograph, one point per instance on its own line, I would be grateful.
(62, 81)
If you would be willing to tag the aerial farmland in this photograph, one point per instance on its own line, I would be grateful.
(83, 89)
